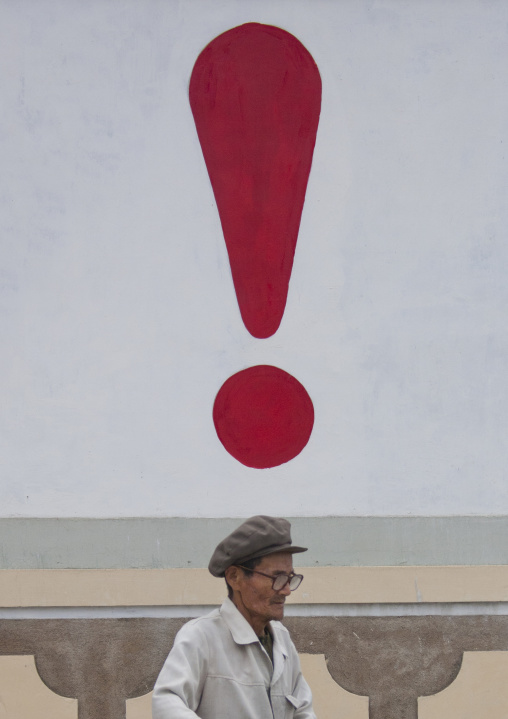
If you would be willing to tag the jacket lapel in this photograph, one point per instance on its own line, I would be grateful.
(279, 652)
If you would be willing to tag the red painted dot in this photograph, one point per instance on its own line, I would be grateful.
(263, 416)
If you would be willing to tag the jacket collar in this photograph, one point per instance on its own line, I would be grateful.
(241, 630)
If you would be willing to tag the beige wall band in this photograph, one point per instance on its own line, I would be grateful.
(322, 585)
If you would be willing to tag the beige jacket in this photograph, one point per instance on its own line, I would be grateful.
(218, 669)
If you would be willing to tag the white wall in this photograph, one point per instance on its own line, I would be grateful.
(118, 317)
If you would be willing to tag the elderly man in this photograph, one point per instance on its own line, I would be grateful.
(238, 662)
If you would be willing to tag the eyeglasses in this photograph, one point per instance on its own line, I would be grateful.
(279, 581)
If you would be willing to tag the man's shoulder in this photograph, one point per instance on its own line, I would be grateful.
(201, 625)
(204, 620)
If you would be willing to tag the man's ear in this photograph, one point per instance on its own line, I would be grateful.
(232, 575)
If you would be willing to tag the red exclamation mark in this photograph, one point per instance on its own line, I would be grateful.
(255, 94)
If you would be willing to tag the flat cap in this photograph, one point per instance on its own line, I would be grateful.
(256, 537)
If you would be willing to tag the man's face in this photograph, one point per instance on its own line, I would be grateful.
(259, 603)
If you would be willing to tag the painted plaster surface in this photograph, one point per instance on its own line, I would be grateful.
(392, 661)
(480, 690)
(186, 543)
(197, 588)
(24, 696)
(140, 708)
(330, 699)
(116, 299)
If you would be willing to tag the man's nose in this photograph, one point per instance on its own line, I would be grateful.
(285, 589)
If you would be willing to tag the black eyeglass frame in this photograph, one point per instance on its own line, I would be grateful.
(289, 578)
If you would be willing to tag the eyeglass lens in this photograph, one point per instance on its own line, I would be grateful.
(282, 579)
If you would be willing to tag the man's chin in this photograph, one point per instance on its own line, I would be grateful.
(278, 611)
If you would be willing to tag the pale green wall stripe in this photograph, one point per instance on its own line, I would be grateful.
(177, 542)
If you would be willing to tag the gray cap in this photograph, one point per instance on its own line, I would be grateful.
(256, 537)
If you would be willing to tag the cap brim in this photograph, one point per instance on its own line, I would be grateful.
(288, 548)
